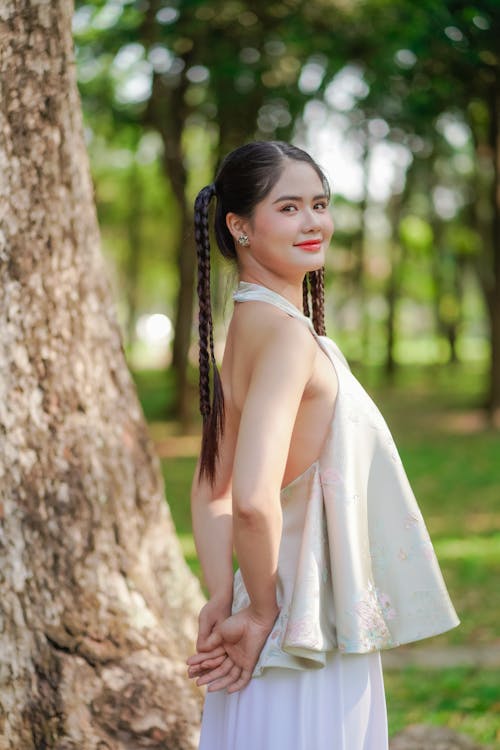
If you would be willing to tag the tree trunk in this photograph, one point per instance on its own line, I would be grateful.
(393, 284)
(167, 112)
(445, 324)
(134, 247)
(494, 291)
(391, 297)
(98, 605)
(360, 272)
(486, 217)
(187, 263)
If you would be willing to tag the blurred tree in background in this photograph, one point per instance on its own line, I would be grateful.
(399, 101)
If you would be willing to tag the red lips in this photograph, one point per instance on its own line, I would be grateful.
(310, 244)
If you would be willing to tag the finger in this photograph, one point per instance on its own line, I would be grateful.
(208, 637)
(215, 662)
(221, 671)
(196, 671)
(241, 682)
(210, 642)
(204, 630)
(223, 682)
(198, 659)
(208, 664)
(202, 655)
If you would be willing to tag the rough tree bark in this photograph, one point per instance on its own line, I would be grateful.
(98, 607)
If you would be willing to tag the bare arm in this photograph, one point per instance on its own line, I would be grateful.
(281, 370)
(280, 374)
(211, 511)
(212, 519)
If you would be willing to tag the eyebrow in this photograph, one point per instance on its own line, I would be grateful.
(298, 198)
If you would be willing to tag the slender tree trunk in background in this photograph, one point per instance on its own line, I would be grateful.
(486, 212)
(361, 270)
(444, 323)
(436, 275)
(494, 290)
(98, 605)
(452, 326)
(397, 260)
(167, 112)
(186, 260)
(391, 296)
(134, 224)
(392, 290)
(451, 335)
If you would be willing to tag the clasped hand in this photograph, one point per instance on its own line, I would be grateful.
(228, 647)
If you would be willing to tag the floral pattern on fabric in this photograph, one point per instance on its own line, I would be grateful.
(240, 594)
(303, 630)
(372, 611)
(331, 476)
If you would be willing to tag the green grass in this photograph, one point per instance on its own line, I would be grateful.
(464, 698)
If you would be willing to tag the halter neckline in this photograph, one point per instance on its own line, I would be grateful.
(251, 290)
(249, 285)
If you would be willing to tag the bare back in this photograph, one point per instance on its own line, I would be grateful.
(252, 322)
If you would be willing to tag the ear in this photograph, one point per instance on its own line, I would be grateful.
(236, 225)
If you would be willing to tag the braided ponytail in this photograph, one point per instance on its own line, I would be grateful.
(305, 296)
(213, 415)
(316, 281)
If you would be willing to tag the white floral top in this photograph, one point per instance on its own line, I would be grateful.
(357, 570)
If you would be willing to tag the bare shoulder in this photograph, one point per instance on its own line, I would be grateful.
(268, 331)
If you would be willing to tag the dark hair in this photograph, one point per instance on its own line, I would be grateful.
(244, 178)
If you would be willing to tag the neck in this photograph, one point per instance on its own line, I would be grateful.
(289, 290)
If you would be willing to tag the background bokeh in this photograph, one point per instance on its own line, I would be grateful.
(400, 103)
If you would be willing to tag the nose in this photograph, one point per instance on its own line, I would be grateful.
(312, 220)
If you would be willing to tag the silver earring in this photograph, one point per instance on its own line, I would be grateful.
(243, 240)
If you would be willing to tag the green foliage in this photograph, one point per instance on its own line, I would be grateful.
(416, 234)
(463, 240)
(156, 389)
(168, 89)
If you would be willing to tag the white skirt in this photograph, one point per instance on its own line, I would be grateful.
(338, 707)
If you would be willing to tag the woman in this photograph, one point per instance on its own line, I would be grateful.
(298, 471)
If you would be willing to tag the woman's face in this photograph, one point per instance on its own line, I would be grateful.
(291, 227)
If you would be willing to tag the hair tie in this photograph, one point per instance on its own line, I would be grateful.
(208, 192)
